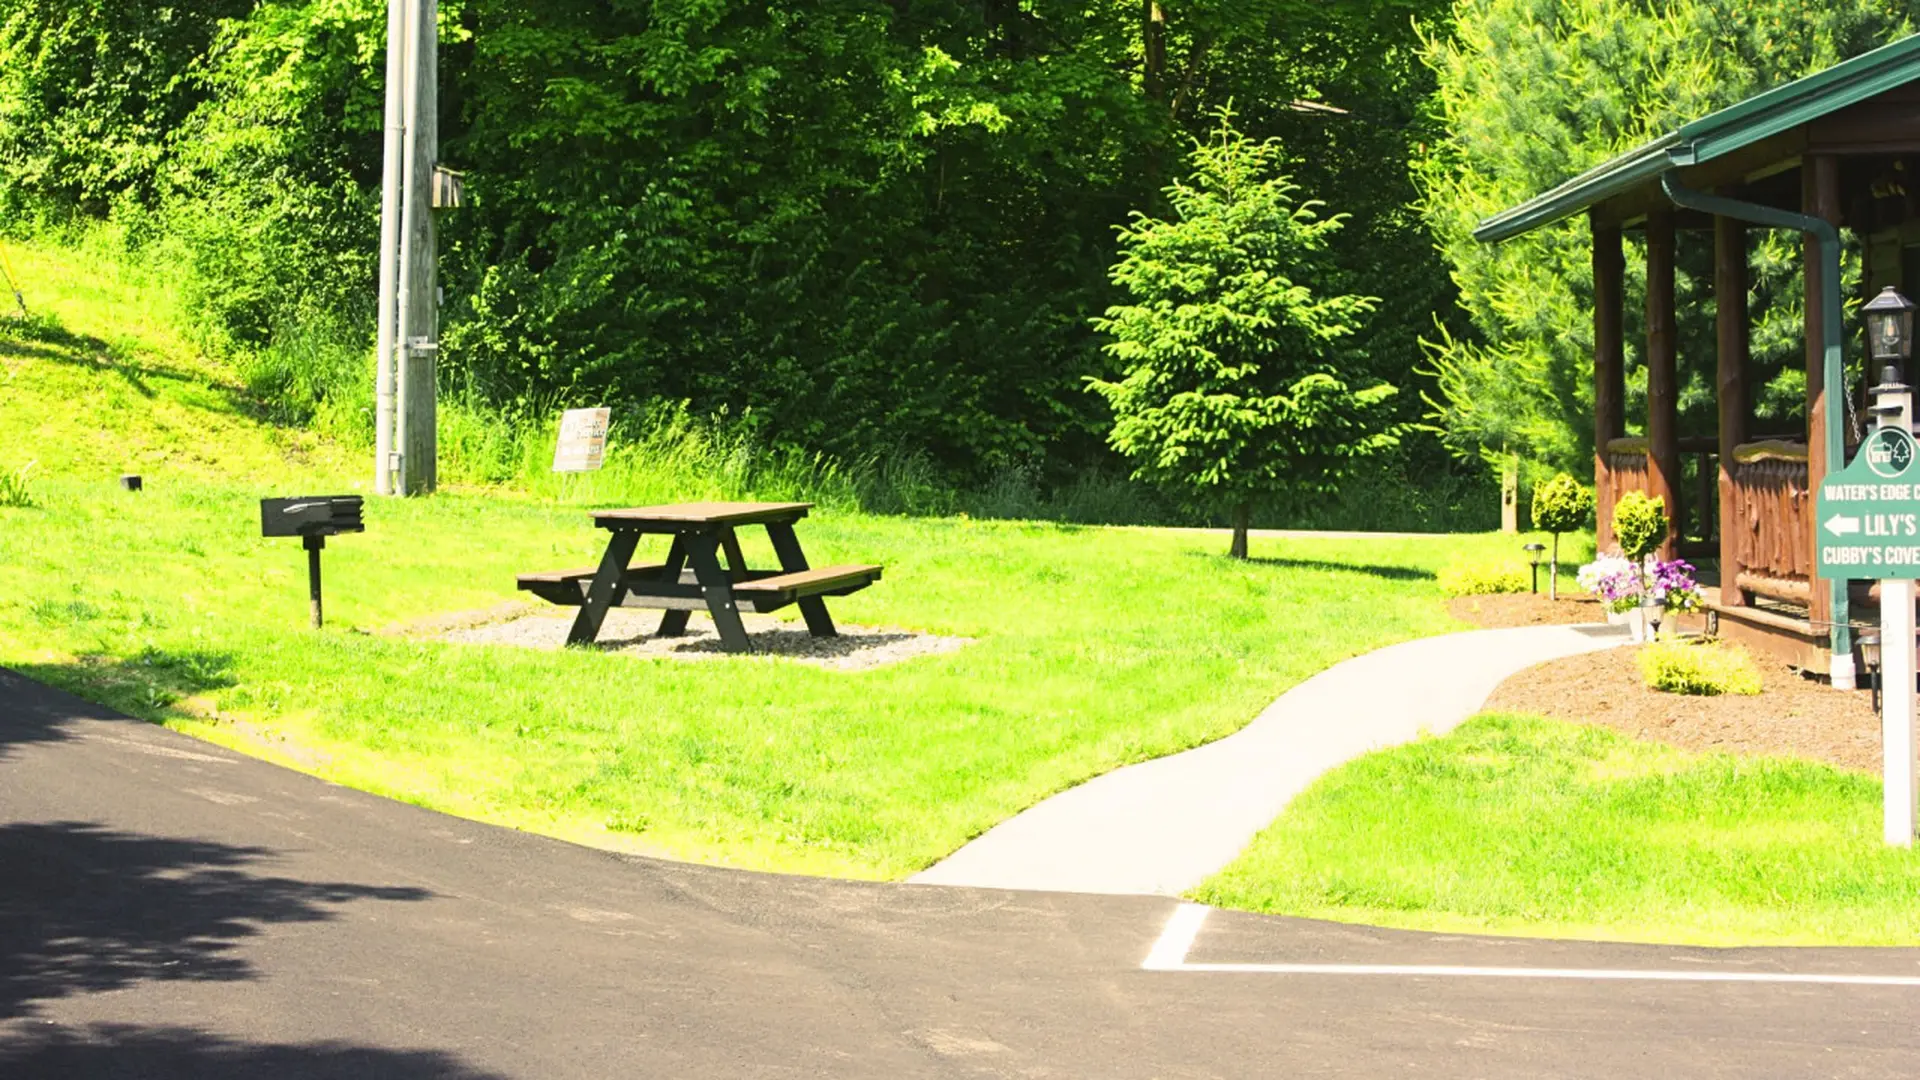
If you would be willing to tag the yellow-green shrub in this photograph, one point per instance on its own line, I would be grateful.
(1482, 578)
(1698, 667)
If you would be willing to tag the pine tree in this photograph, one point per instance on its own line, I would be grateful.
(1232, 387)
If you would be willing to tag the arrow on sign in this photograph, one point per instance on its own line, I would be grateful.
(1843, 526)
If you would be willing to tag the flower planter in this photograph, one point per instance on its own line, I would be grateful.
(1644, 589)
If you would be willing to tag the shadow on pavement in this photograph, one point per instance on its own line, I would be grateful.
(112, 1051)
(29, 717)
(85, 909)
(37, 710)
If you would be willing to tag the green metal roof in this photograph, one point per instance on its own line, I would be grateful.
(1717, 135)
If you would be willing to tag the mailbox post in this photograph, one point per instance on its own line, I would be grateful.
(312, 519)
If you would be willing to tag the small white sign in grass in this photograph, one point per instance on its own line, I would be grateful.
(582, 446)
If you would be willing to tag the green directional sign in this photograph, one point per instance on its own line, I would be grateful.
(1868, 513)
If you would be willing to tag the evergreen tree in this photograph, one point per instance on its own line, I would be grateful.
(1232, 385)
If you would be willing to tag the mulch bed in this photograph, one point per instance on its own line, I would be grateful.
(1793, 715)
(1526, 609)
(1503, 610)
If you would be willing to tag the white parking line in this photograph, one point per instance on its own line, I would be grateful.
(1170, 951)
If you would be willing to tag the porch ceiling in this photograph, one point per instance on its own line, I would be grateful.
(1715, 136)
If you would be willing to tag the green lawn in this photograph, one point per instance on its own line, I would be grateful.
(1517, 824)
(1095, 647)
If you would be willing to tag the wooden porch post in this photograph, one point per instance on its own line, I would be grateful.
(1730, 317)
(1819, 197)
(1663, 391)
(1609, 370)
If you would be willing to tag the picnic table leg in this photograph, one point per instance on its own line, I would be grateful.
(600, 592)
(812, 608)
(736, 561)
(674, 623)
(717, 587)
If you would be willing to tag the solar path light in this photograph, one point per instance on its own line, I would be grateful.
(1533, 551)
(312, 519)
(1870, 659)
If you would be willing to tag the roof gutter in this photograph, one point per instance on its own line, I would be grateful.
(1834, 386)
(1591, 187)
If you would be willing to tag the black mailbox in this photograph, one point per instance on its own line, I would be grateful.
(319, 515)
(313, 519)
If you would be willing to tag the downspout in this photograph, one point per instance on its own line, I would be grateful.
(1835, 377)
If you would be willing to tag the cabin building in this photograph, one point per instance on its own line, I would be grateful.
(1837, 151)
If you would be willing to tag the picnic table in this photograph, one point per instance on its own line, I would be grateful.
(693, 578)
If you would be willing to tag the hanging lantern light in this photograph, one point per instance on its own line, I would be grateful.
(1890, 332)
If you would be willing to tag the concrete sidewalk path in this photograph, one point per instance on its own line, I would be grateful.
(1164, 826)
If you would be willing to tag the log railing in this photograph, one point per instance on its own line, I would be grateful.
(1697, 510)
(1627, 468)
(1771, 527)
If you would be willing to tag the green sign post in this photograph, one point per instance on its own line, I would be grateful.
(1868, 513)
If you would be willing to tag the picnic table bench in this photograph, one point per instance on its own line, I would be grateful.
(693, 578)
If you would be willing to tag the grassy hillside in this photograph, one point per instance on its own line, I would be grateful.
(99, 381)
(1094, 647)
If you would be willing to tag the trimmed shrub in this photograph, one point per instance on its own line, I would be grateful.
(1484, 578)
(1560, 505)
(1698, 667)
(1639, 523)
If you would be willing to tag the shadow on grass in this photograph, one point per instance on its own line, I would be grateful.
(1389, 573)
(168, 1053)
(43, 337)
(35, 705)
(150, 683)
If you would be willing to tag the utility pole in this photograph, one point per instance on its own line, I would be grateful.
(405, 393)
(383, 463)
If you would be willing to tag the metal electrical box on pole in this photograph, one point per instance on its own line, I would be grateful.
(406, 448)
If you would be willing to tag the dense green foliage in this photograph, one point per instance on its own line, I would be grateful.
(1532, 92)
(1232, 383)
(870, 230)
(90, 93)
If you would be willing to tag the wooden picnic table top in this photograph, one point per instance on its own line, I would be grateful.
(680, 515)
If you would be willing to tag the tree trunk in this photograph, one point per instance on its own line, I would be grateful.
(1553, 571)
(1153, 41)
(1242, 513)
(1510, 493)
